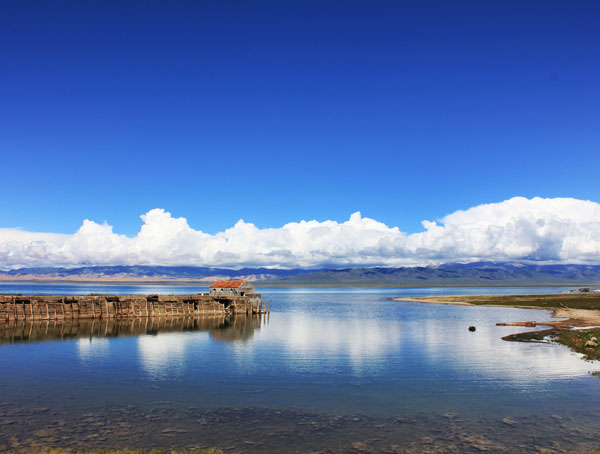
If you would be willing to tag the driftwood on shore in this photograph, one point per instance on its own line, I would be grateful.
(531, 324)
(45, 307)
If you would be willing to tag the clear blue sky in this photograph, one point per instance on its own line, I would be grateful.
(287, 110)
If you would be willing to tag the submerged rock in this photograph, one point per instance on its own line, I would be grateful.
(509, 421)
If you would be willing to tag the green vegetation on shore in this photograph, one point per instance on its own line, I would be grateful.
(577, 340)
(556, 301)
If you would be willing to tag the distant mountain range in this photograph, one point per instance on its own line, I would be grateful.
(141, 273)
(451, 274)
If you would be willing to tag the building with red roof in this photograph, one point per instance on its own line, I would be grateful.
(231, 288)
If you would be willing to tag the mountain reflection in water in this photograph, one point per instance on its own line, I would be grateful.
(226, 329)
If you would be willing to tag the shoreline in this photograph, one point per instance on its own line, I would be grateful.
(586, 320)
(573, 317)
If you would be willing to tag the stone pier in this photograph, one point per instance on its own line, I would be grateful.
(46, 307)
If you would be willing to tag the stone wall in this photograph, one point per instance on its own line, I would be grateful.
(44, 307)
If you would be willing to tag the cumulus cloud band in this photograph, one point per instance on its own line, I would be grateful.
(537, 229)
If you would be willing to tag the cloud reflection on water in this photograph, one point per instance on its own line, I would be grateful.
(93, 349)
(434, 349)
(164, 355)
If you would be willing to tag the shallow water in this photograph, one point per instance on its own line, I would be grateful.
(338, 370)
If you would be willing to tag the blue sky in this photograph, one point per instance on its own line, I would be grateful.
(282, 111)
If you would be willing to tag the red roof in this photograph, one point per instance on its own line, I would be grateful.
(227, 284)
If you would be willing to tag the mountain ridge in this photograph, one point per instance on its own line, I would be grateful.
(448, 274)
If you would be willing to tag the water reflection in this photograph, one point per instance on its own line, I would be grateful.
(332, 370)
(221, 328)
(166, 356)
(408, 347)
(363, 344)
(93, 348)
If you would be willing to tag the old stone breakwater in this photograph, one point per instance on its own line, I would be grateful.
(222, 300)
(42, 307)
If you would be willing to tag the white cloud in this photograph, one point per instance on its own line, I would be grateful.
(549, 230)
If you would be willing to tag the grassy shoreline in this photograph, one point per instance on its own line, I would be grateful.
(573, 310)
(589, 301)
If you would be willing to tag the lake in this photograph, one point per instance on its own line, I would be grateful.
(329, 370)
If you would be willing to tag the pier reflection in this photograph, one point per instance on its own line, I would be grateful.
(219, 327)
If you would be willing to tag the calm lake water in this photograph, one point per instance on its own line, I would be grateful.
(331, 370)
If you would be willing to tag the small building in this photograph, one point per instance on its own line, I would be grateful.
(231, 288)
